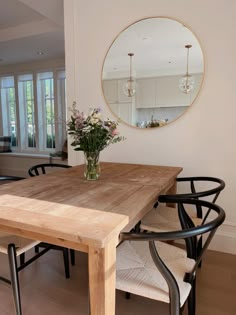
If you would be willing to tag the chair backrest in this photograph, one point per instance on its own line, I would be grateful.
(189, 232)
(214, 187)
(9, 178)
(41, 169)
(201, 181)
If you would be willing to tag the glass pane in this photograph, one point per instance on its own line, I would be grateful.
(29, 104)
(11, 103)
(49, 113)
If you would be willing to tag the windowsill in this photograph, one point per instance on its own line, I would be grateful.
(31, 155)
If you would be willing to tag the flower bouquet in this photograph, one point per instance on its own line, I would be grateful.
(91, 134)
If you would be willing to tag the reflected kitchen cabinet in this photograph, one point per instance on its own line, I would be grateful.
(122, 98)
(113, 91)
(110, 91)
(155, 92)
(176, 98)
(123, 111)
(146, 93)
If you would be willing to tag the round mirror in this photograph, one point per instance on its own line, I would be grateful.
(152, 72)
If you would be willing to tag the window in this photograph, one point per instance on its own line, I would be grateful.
(26, 110)
(45, 83)
(33, 111)
(8, 106)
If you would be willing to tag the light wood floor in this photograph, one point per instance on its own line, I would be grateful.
(45, 291)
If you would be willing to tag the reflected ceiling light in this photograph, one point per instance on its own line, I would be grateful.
(129, 87)
(40, 53)
(186, 83)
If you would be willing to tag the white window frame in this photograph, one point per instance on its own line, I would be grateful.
(6, 126)
(58, 75)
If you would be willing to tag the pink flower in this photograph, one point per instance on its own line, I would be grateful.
(115, 132)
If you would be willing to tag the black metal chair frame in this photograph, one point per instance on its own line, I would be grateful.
(189, 234)
(34, 171)
(196, 195)
(201, 194)
(10, 178)
(14, 268)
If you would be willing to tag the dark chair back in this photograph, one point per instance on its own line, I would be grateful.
(41, 169)
(190, 234)
(9, 178)
(196, 191)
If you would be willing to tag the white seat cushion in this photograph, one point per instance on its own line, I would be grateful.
(136, 272)
(164, 218)
(22, 244)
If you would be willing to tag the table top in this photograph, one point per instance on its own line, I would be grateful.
(65, 209)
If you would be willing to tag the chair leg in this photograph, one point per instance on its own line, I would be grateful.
(127, 295)
(89, 306)
(22, 258)
(14, 277)
(192, 299)
(36, 249)
(199, 249)
(72, 257)
(137, 227)
(66, 262)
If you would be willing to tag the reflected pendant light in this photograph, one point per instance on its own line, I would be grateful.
(129, 88)
(186, 83)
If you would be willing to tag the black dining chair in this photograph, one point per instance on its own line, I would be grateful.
(43, 169)
(165, 218)
(14, 246)
(154, 269)
(4, 179)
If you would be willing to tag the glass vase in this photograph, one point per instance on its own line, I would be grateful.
(92, 167)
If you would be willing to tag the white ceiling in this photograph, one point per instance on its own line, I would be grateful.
(28, 27)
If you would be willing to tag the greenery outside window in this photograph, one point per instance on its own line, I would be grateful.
(27, 110)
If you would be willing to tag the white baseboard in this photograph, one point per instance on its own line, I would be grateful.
(224, 241)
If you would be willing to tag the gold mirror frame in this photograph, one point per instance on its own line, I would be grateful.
(152, 52)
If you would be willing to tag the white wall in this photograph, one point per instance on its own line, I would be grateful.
(202, 140)
(18, 164)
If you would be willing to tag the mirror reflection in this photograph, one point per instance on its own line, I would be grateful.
(152, 72)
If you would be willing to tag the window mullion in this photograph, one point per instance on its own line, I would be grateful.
(1, 115)
(56, 111)
(38, 135)
(24, 104)
(20, 138)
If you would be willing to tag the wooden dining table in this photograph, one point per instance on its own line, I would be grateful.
(64, 209)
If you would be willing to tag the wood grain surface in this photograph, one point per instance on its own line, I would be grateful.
(65, 206)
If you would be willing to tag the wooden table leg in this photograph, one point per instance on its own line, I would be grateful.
(102, 276)
(172, 191)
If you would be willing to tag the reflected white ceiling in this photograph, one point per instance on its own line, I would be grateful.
(158, 45)
(28, 27)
